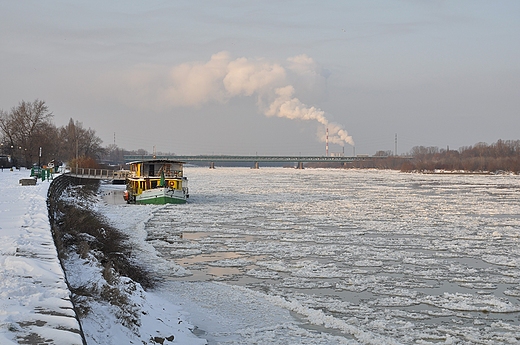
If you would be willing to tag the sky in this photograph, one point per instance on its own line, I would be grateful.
(269, 77)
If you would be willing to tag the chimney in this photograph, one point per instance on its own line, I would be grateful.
(327, 144)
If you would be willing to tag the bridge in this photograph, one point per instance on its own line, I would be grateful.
(212, 159)
(119, 176)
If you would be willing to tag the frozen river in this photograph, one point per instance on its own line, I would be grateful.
(343, 256)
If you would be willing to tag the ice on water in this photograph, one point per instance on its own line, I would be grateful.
(343, 256)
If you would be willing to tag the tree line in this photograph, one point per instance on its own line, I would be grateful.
(504, 155)
(28, 137)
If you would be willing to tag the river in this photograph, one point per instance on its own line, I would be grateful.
(319, 256)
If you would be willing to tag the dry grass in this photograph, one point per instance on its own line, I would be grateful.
(88, 232)
(78, 229)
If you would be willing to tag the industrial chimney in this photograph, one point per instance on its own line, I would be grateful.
(327, 143)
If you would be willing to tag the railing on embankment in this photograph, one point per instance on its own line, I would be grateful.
(58, 185)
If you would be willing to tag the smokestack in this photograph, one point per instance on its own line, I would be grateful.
(327, 143)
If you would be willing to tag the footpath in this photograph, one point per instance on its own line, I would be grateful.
(35, 305)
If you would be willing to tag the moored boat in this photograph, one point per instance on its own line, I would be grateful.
(156, 181)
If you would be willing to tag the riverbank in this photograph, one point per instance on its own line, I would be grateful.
(36, 305)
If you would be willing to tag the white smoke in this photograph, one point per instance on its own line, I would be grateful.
(285, 105)
(221, 78)
(246, 77)
(193, 84)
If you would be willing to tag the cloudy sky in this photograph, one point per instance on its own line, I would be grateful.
(268, 77)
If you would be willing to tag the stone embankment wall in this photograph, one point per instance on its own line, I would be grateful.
(58, 185)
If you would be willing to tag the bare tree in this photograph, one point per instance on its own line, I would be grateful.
(77, 142)
(24, 130)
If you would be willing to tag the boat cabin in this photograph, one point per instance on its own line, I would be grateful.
(155, 168)
(149, 175)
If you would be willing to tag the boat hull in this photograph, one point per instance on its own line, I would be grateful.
(161, 196)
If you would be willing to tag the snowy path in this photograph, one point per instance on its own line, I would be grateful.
(35, 304)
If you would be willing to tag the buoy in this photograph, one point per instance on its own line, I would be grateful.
(125, 195)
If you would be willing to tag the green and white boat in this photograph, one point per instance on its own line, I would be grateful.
(156, 181)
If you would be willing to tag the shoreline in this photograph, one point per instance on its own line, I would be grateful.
(39, 282)
(35, 304)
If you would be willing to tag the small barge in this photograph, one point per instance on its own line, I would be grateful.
(156, 181)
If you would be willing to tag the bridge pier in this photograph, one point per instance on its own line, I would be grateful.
(212, 165)
(299, 165)
(256, 166)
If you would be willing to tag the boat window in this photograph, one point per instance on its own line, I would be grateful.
(151, 170)
(154, 184)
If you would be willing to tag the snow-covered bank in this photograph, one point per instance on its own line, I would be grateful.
(35, 305)
(113, 309)
(35, 301)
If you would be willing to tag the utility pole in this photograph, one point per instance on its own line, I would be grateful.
(395, 152)
(77, 155)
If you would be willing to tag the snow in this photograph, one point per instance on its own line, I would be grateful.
(35, 304)
(34, 297)
(281, 256)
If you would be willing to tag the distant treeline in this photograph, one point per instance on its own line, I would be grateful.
(504, 155)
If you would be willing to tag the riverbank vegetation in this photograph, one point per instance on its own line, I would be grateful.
(502, 156)
(82, 235)
(112, 293)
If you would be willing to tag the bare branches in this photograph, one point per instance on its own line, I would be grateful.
(23, 129)
(28, 126)
(77, 141)
(503, 155)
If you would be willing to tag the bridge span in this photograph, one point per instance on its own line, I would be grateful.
(119, 176)
(253, 159)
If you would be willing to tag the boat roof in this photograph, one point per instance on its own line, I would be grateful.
(150, 161)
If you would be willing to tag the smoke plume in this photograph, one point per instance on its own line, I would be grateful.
(288, 106)
(222, 78)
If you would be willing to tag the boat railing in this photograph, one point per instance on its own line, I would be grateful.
(166, 175)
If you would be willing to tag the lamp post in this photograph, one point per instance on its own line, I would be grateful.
(40, 158)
